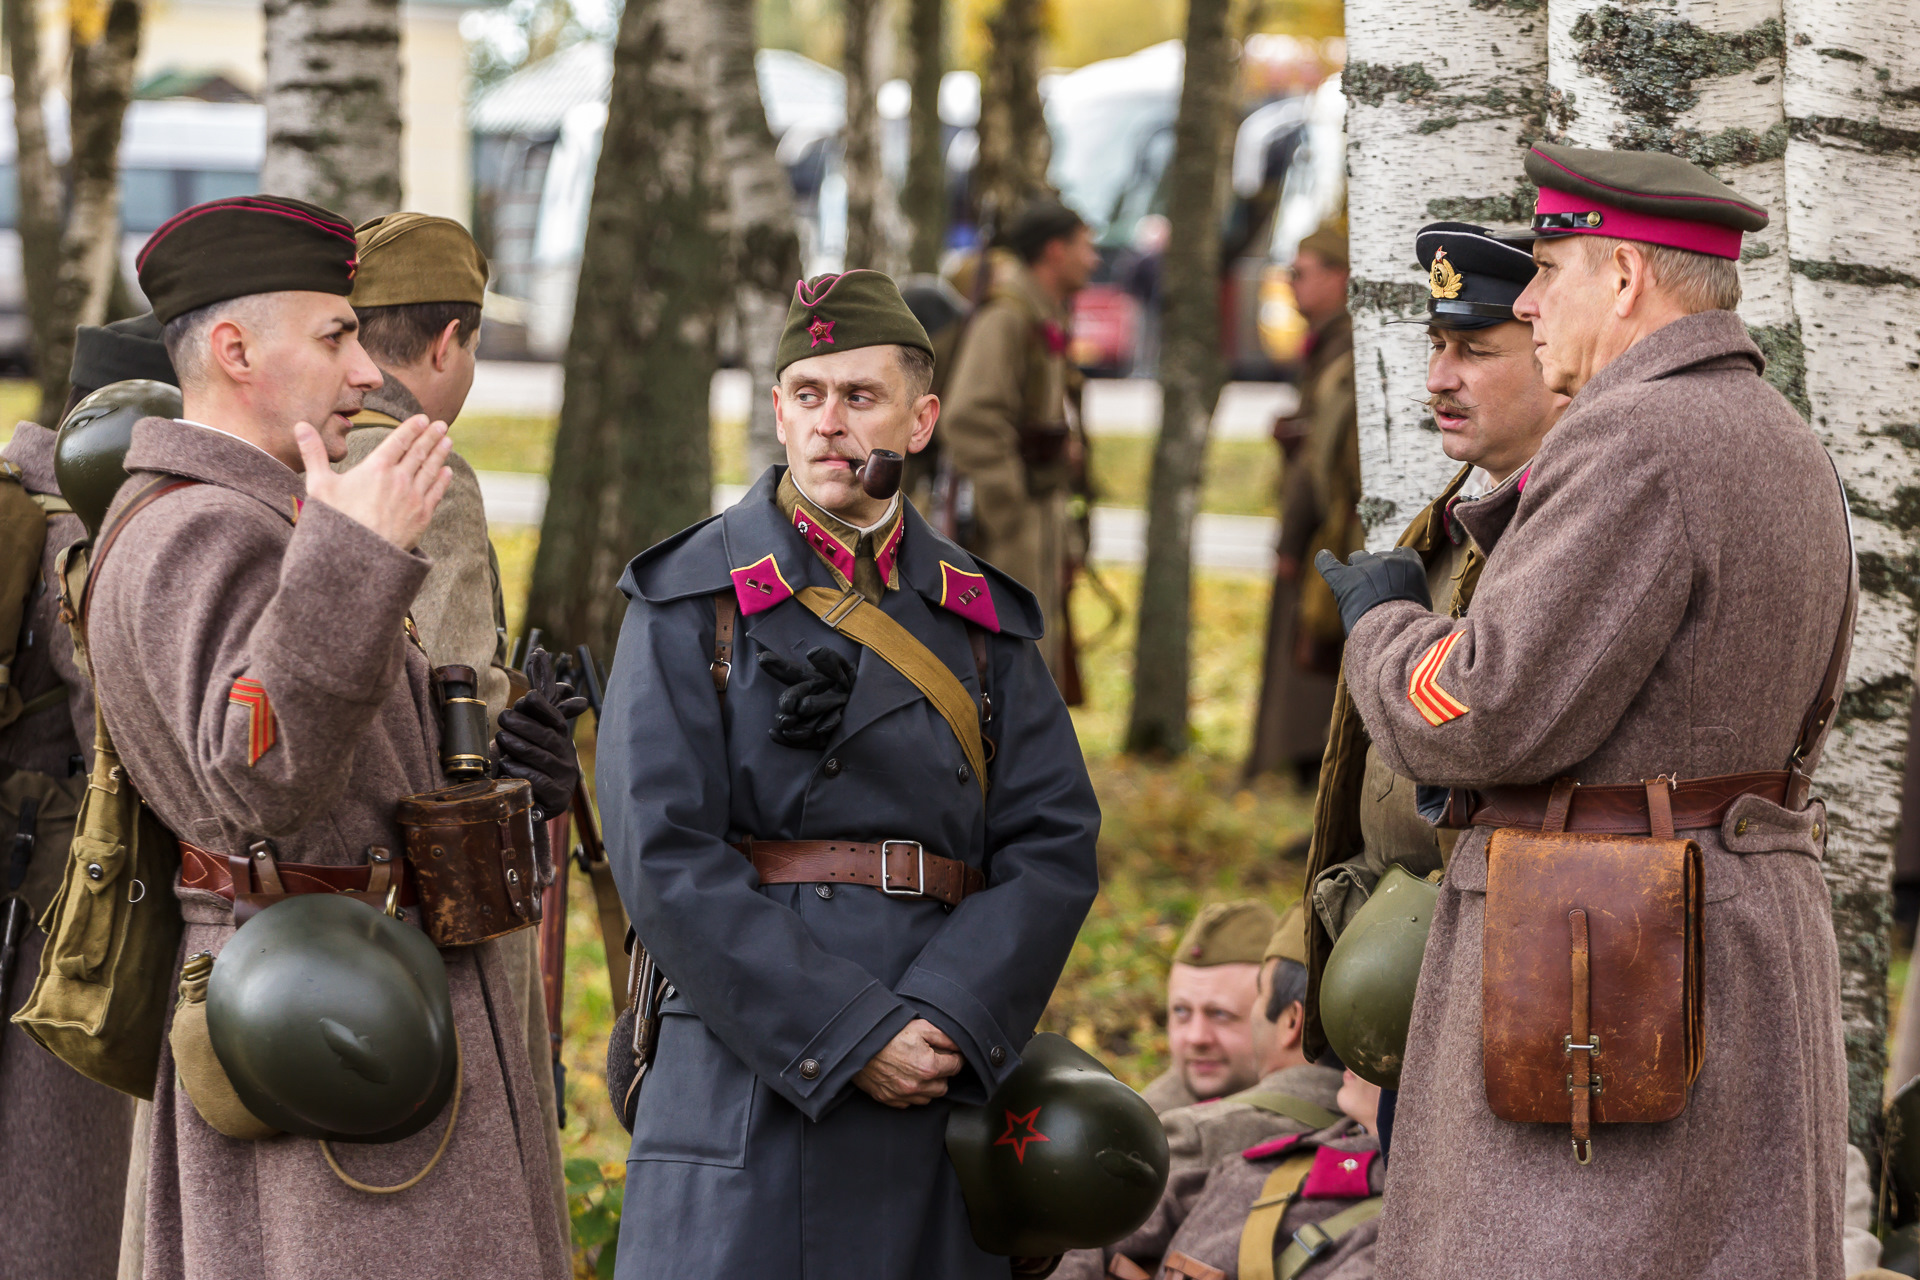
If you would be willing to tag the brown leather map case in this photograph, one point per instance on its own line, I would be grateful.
(1592, 999)
(472, 853)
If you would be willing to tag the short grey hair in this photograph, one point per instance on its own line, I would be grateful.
(185, 335)
(1697, 281)
(918, 366)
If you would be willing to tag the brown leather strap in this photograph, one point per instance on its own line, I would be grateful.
(1622, 809)
(725, 610)
(1581, 1050)
(152, 493)
(902, 868)
(1660, 807)
(202, 869)
(1177, 1263)
(1121, 1267)
(1559, 800)
(1819, 718)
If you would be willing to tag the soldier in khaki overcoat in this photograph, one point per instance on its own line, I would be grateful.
(1667, 598)
(1212, 990)
(249, 638)
(1004, 419)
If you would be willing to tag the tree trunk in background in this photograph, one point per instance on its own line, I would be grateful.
(1192, 371)
(333, 104)
(1014, 145)
(764, 244)
(1853, 240)
(632, 460)
(1702, 79)
(40, 194)
(861, 61)
(1442, 98)
(104, 42)
(925, 197)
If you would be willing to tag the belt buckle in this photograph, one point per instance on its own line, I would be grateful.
(919, 889)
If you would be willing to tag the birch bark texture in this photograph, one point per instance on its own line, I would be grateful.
(1852, 166)
(333, 104)
(1192, 371)
(924, 201)
(39, 218)
(763, 241)
(633, 452)
(1443, 98)
(1014, 144)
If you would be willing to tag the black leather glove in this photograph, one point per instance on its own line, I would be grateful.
(1366, 580)
(535, 741)
(816, 698)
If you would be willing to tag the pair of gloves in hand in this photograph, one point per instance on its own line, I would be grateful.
(535, 742)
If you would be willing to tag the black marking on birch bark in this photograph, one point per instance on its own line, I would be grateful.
(1369, 83)
(1653, 63)
(1879, 701)
(1904, 433)
(1515, 206)
(1863, 926)
(1386, 405)
(1843, 55)
(1734, 147)
(1885, 575)
(1559, 114)
(1438, 124)
(1853, 273)
(1869, 136)
(1386, 295)
(1786, 357)
(1507, 6)
(1375, 511)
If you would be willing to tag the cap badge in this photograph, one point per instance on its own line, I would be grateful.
(1443, 281)
(820, 331)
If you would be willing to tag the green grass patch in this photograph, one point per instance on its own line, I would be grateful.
(1243, 476)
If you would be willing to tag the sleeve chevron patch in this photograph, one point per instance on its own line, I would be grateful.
(1424, 691)
(261, 728)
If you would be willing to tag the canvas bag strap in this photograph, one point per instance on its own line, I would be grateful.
(1285, 1104)
(1269, 1207)
(1323, 1236)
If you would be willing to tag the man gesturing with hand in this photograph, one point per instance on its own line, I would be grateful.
(255, 663)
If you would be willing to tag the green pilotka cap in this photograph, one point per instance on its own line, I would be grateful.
(844, 312)
(1228, 933)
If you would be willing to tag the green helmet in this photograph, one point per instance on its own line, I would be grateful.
(1366, 991)
(90, 453)
(1063, 1156)
(333, 1020)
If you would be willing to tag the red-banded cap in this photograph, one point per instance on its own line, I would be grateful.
(244, 245)
(1648, 196)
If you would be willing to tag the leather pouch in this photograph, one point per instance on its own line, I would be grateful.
(474, 863)
(1592, 1001)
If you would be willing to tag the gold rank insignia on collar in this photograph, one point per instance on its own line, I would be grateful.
(1443, 281)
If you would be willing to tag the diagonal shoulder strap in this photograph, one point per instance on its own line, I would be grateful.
(1285, 1104)
(1819, 720)
(158, 489)
(1324, 1236)
(1269, 1207)
(902, 651)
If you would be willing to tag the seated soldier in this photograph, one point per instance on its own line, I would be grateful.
(1293, 1097)
(1210, 997)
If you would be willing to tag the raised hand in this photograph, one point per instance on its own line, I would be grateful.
(395, 489)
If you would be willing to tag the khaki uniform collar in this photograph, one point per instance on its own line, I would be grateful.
(1012, 280)
(374, 418)
(837, 542)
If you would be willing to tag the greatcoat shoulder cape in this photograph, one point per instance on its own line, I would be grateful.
(1663, 599)
(753, 1153)
(239, 578)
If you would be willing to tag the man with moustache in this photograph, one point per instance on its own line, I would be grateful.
(1493, 410)
(850, 821)
(1669, 601)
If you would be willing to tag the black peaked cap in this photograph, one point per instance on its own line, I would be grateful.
(1473, 275)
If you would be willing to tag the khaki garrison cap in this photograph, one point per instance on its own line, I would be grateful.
(1648, 196)
(1289, 940)
(1227, 933)
(414, 257)
(859, 308)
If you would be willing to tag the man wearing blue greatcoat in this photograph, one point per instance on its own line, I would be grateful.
(850, 820)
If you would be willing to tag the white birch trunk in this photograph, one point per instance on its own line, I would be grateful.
(1852, 171)
(1442, 98)
(333, 104)
(1700, 79)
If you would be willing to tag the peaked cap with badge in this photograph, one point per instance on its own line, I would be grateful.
(1473, 274)
(1648, 196)
(845, 311)
(812, 893)
(243, 245)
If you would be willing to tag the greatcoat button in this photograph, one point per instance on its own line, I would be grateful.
(823, 890)
(832, 767)
(809, 1070)
(997, 1056)
(963, 775)
(94, 871)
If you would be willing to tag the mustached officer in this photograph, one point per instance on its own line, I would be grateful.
(850, 820)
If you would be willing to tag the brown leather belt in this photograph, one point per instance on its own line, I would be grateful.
(203, 869)
(899, 868)
(1621, 810)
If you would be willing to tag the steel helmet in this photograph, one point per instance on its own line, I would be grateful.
(1366, 992)
(90, 453)
(333, 1020)
(1063, 1156)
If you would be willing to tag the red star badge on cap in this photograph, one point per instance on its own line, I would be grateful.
(1019, 1141)
(820, 331)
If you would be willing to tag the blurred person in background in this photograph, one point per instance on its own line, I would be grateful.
(1211, 991)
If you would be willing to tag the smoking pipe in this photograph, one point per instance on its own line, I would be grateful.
(881, 473)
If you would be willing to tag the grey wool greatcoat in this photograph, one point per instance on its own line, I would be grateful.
(235, 578)
(1662, 600)
(753, 1153)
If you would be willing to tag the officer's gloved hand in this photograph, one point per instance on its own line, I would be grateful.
(1367, 580)
(535, 741)
(812, 707)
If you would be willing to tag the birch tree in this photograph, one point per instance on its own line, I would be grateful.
(924, 200)
(632, 456)
(1852, 167)
(763, 243)
(862, 62)
(333, 104)
(39, 217)
(1192, 371)
(1014, 144)
(1442, 99)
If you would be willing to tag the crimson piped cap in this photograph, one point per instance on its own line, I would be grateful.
(1648, 196)
(243, 245)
